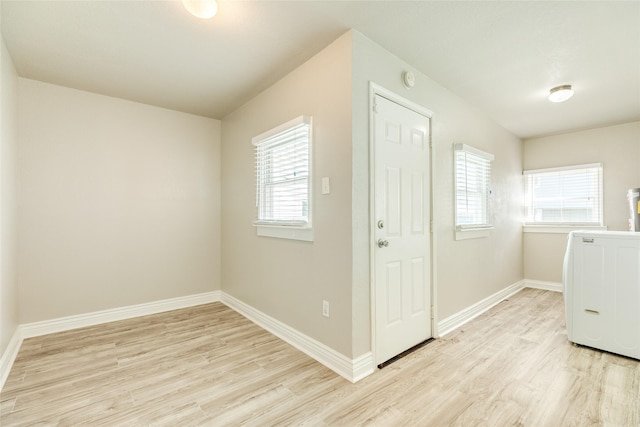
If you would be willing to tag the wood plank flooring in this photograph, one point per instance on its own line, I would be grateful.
(207, 365)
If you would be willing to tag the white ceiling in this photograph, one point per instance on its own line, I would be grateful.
(501, 56)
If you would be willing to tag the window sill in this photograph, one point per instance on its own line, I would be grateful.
(282, 232)
(559, 229)
(473, 233)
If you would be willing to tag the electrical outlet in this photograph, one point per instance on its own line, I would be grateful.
(325, 308)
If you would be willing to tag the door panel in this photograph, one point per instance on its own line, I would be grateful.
(393, 197)
(417, 285)
(417, 203)
(394, 292)
(402, 262)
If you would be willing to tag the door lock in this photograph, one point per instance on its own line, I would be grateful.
(381, 224)
(383, 243)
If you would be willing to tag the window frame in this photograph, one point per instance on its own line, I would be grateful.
(473, 230)
(562, 226)
(286, 228)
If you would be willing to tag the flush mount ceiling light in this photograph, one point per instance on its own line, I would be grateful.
(560, 93)
(204, 9)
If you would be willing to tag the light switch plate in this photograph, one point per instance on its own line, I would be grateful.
(326, 186)
(325, 308)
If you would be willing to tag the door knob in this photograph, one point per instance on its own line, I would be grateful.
(383, 243)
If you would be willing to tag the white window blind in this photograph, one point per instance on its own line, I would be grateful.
(282, 157)
(472, 185)
(564, 196)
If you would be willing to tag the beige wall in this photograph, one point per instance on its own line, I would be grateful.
(119, 203)
(8, 199)
(288, 279)
(618, 148)
(469, 270)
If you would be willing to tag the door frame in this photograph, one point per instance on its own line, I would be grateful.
(375, 89)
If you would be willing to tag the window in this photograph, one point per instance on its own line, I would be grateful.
(283, 184)
(564, 196)
(472, 189)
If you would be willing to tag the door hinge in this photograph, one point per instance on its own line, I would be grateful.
(431, 226)
(375, 105)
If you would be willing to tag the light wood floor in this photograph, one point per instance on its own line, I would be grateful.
(210, 366)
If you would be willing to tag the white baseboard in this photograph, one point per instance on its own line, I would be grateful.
(61, 324)
(353, 370)
(547, 286)
(9, 356)
(362, 367)
(35, 329)
(460, 318)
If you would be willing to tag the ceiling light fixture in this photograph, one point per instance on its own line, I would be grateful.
(560, 93)
(204, 9)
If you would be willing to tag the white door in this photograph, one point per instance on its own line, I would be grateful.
(402, 236)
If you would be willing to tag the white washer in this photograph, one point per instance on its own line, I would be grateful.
(601, 278)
